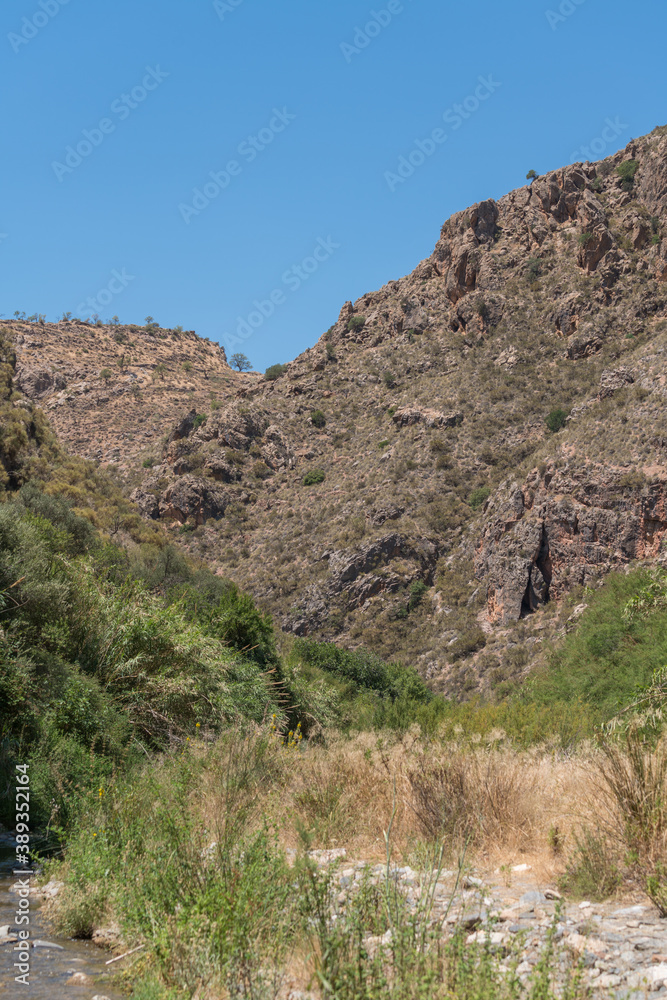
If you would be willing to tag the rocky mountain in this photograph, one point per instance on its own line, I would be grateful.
(460, 451)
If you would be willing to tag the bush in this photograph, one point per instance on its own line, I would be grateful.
(274, 371)
(626, 171)
(364, 669)
(556, 419)
(479, 496)
(417, 591)
(356, 323)
(318, 419)
(313, 477)
(389, 380)
(584, 239)
(534, 269)
(199, 420)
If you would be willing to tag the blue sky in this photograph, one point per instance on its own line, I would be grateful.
(301, 111)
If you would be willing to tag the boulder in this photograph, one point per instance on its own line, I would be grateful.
(613, 379)
(407, 415)
(277, 451)
(194, 498)
(147, 503)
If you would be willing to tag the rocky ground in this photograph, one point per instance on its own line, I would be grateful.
(621, 945)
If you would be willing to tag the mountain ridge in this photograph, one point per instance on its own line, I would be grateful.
(398, 485)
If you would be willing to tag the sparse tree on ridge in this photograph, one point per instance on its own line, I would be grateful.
(240, 362)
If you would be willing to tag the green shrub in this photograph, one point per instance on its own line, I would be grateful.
(356, 323)
(584, 239)
(199, 420)
(318, 419)
(534, 269)
(389, 379)
(479, 496)
(626, 171)
(274, 371)
(148, 463)
(314, 476)
(417, 591)
(556, 420)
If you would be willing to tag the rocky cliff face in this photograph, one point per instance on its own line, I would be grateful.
(399, 486)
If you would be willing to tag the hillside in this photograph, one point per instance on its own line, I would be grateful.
(484, 436)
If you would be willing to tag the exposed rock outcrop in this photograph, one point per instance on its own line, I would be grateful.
(562, 528)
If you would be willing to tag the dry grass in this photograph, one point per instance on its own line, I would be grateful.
(508, 806)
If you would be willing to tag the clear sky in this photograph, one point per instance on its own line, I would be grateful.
(233, 166)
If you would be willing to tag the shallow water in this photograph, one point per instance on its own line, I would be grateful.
(50, 968)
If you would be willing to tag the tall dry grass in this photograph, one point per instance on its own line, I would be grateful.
(507, 806)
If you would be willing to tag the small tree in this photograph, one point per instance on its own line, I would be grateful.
(115, 321)
(240, 362)
(318, 419)
(531, 176)
(106, 375)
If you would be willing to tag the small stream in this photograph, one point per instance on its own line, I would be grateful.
(50, 968)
